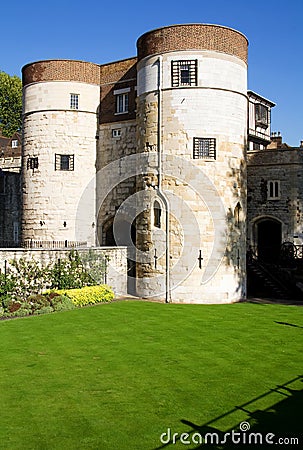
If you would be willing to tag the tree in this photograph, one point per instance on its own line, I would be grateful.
(10, 104)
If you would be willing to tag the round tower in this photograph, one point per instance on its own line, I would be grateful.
(61, 100)
(192, 122)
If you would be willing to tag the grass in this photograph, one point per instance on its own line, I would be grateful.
(116, 376)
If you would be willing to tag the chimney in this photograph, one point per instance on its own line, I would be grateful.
(276, 139)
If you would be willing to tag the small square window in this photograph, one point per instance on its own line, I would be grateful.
(122, 103)
(32, 162)
(204, 148)
(184, 73)
(116, 133)
(273, 190)
(64, 162)
(74, 101)
(15, 143)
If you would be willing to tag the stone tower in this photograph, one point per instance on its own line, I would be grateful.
(147, 152)
(61, 100)
(192, 124)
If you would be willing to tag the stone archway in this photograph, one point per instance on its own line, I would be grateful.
(122, 237)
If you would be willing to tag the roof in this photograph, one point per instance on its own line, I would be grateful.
(259, 97)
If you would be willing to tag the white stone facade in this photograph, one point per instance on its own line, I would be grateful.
(166, 163)
(50, 195)
(215, 108)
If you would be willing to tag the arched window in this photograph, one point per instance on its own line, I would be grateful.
(157, 214)
(237, 214)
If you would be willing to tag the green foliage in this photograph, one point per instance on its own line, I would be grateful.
(61, 303)
(45, 310)
(69, 273)
(89, 295)
(10, 104)
(22, 287)
(7, 286)
(37, 302)
(27, 277)
(96, 266)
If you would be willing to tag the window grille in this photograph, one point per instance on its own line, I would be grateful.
(74, 101)
(32, 162)
(204, 148)
(64, 162)
(184, 73)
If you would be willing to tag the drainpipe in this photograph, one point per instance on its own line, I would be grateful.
(161, 193)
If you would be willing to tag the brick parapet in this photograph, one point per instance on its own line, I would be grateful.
(61, 70)
(193, 37)
(118, 71)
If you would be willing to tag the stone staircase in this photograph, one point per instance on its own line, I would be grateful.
(265, 281)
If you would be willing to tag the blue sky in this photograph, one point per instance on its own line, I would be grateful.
(101, 31)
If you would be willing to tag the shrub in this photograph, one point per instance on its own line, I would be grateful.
(13, 306)
(69, 273)
(38, 301)
(61, 302)
(45, 310)
(22, 311)
(27, 277)
(89, 295)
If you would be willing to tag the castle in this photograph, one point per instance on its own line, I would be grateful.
(151, 153)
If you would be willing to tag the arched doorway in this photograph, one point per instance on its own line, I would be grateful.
(269, 239)
(124, 235)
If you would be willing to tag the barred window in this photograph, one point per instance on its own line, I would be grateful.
(184, 73)
(32, 162)
(74, 101)
(204, 148)
(64, 162)
(261, 114)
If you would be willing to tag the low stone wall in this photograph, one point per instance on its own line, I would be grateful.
(116, 269)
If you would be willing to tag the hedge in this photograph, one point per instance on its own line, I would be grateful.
(88, 295)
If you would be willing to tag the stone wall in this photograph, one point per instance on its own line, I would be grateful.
(10, 208)
(113, 163)
(206, 244)
(117, 261)
(59, 204)
(286, 166)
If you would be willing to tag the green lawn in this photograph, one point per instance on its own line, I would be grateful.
(117, 376)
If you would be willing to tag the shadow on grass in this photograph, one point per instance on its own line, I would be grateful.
(288, 324)
(279, 423)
